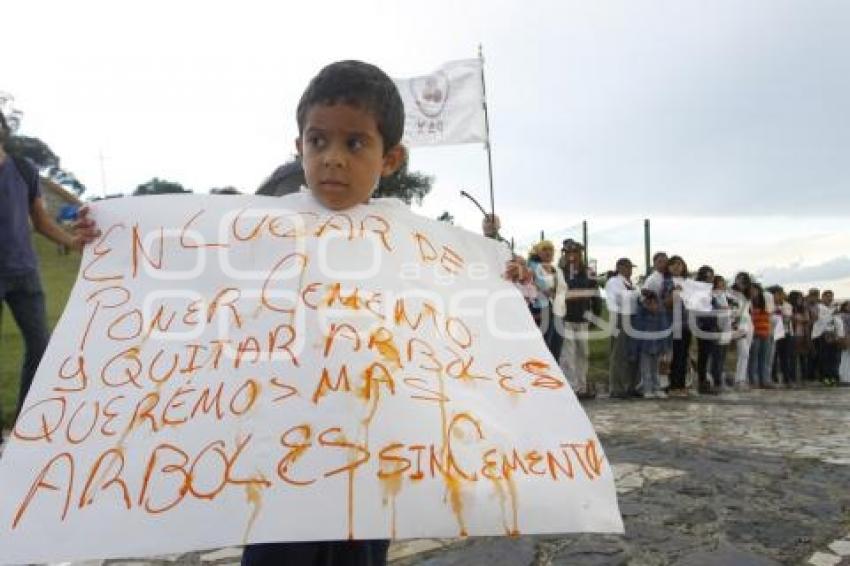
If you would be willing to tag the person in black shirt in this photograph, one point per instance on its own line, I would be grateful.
(582, 300)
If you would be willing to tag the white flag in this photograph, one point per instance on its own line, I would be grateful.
(445, 107)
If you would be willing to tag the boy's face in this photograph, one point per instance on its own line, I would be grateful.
(343, 154)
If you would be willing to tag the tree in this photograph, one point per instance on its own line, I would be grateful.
(39, 154)
(403, 184)
(158, 186)
(446, 217)
(286, 179)
(225, 191)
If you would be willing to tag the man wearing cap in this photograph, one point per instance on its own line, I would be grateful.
(582, 300)
(621, 297)
(20, 282)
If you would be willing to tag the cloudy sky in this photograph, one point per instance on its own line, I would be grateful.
(725, 122)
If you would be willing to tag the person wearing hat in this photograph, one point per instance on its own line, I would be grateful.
(582, 302)
(621, 297)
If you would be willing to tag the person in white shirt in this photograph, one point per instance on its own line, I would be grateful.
(655, 281)
(825, 336)
(621, 297)
(552, 296)
(742, 327)
(680, 355)
(783, 344)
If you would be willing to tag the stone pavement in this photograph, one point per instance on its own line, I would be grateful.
(761, 477)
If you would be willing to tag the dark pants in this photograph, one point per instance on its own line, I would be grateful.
(679, 362)
(622, 368)
(814, 359)
(25, 298)
(717, 362)
(552, 328)
(322, 553)
(800, 357)
(704, 348)
(711, 357)
(829, 358)
(784, 360)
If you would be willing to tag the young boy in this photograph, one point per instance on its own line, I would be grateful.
(652, 338)
(350, 124)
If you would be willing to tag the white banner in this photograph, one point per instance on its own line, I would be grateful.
(696, 295)
(237, 369)
(445, 107)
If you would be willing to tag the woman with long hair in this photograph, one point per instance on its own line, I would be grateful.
(681, 333)
(742, 327)
(762, 331)
(707, 340)
(552, 296)
(801, 337)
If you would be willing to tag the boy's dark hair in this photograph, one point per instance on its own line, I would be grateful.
(358, 84)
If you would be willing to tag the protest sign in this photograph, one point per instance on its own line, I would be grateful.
(238, 369)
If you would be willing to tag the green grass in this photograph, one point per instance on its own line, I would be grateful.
(58, 273)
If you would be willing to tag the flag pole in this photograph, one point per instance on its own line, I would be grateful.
(487, 131)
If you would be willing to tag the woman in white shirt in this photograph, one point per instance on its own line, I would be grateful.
(552, 296)
(742, 327)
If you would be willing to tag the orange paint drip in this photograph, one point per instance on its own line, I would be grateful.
(514, 532)
(255, 498)
(500, 493)
(456, 500)
(392, 486)
(351, 505)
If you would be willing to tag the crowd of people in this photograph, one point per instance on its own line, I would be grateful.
(659, 326)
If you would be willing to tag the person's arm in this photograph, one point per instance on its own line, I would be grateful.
(47, 227)
(84, 232)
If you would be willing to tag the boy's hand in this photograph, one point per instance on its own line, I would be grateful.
(85, 230)
(491, 225)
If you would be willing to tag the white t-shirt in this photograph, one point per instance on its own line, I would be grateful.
(621, 296)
